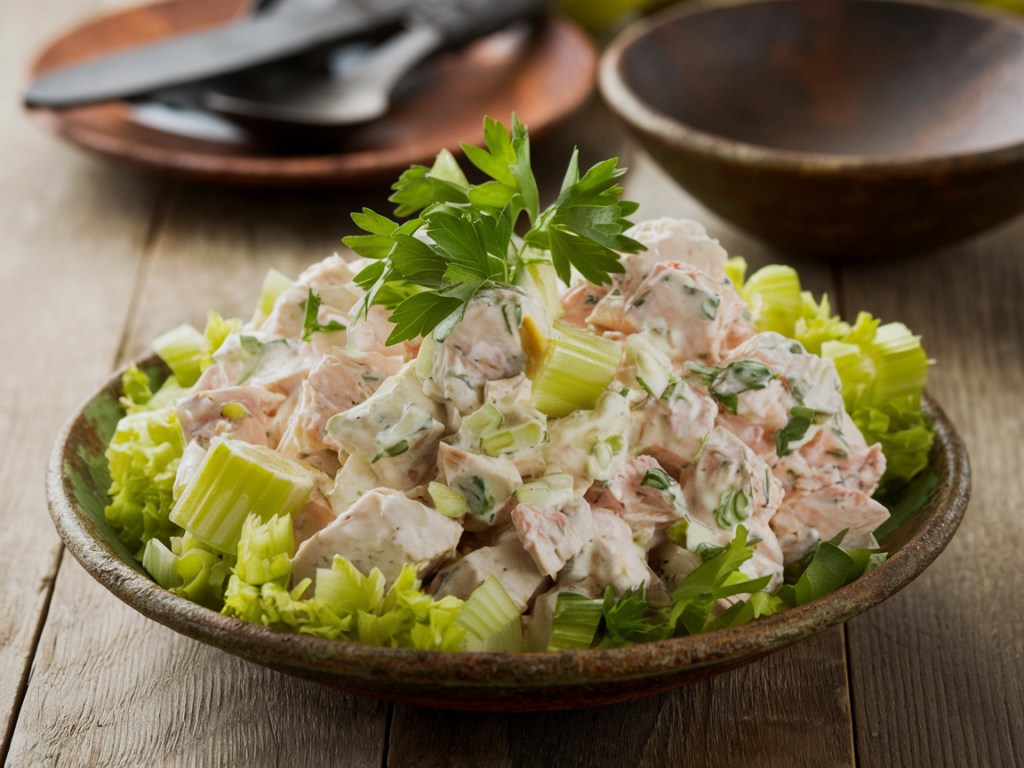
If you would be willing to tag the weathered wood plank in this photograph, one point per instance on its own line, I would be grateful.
(938, 670)
(72, 235)
(788, 710)
(110, 688)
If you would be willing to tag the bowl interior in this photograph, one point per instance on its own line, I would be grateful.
(845, 77)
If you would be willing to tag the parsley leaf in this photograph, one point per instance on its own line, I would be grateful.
(800, 420)
(429, 268)
(311, 324)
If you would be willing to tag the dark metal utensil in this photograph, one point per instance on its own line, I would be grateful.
(285, 28)
(363, 94)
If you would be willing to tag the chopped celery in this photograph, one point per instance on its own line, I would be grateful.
(537, 276)
(217, 330)
(137, 390)
(274, 284)
(900, 363)
(143, 458)
(653, 368)
(856, 371)
(905, 435)
(577, 367)
(448, 502)
(482, 422)
(736, 270)
(817, 325)
(550, 492)
(182, 349)
(574, 621)
(425, 358)
(512, 440)
(265, 550)
(162, 564)
(775, 293)
(346, 590)
(237, 478)
(491, 620)
(203, 573)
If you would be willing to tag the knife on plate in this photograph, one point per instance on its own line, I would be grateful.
(287, 28)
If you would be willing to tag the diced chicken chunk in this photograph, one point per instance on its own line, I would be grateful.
(383, 529)
(686, 315)
(486, 345)
(397, 428)
(611, 558)
(239, 413)
(341, 380)
(331, 280)
(315, 515)
(580, 301)
(641, 493)
(677, 241)
(552, 537)
(507, 561)
(833, 456)
(673, 429)
(572, 439)
(828, 511)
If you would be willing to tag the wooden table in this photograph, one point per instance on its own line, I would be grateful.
(96, 261)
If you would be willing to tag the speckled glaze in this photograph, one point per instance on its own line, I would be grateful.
(847, 128)
(77, 481)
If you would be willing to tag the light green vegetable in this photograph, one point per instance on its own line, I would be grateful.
(577, 367)
(491, 620)
(237, 478)
(217, 330)
(143, 458)
(182, 348)
(574, 621)
(448, 502)
(162, 564)
(274, 284)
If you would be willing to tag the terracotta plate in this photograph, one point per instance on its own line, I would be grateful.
(77, 483)
(543, 76)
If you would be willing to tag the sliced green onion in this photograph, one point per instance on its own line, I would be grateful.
(237, 478)
(733, 508)
(577, 367)
(182, 349)
(574, 621)
(550, 492)
(519, 438)
(491, 620)
(162, 564)
(448, 502)
(777, 288)
(274, 284)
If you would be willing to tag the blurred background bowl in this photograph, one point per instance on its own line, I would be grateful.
(851, 128)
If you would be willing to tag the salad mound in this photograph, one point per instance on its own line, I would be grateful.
(438, 446)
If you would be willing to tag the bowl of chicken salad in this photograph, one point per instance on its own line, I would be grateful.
(469, 467)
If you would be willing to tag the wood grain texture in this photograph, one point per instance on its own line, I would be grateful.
(938, 670)
(72, 235)
(110, 688)
(788, 710)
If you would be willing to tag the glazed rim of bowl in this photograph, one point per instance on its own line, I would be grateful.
(311, 655)
(637, 112)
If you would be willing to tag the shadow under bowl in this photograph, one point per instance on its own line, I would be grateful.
(849, 128)
(77, 483)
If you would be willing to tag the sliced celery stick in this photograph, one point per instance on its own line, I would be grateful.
(346, 590)
(491, 620)
(576, 369)
(537, 275)
(778, 289)
(449, 503)
(237, 478)
(900, 362)
(425, 358)
(653, 368)
(182, 349)
(482, 422)
(574, 621)
(274, 284)
(162, 564)
(550, 492)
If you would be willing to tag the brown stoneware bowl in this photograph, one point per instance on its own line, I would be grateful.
(77, 490)
(851, 128)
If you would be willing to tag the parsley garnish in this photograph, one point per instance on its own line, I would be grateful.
(800, 420)
(726, 384)
(311, 324)
(428, 282)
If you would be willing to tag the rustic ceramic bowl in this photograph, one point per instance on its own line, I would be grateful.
(851, 128)
(77, 489)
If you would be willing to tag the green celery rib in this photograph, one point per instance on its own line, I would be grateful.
(274, 284)
(574, 621)
(162, 564)
(182, 349)
(779, 289)
(577, 367)
(491, 620)
(237, 478)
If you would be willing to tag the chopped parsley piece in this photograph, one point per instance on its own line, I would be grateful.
(311, 323)
(800, 420)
